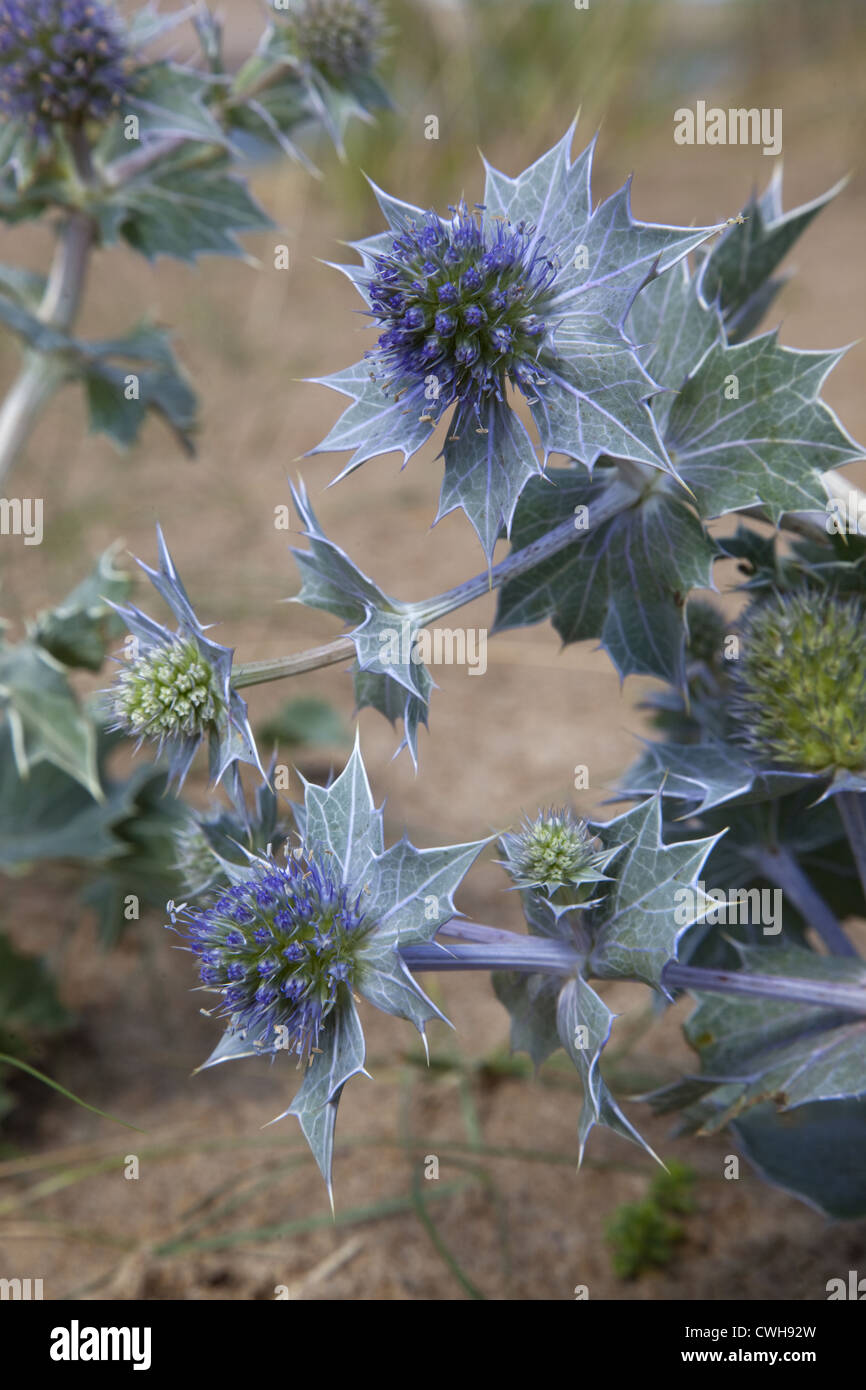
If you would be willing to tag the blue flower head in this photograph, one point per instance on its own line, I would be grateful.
(528, 291)
(280, 948)
(291, 947)
(176, 689)
(458, 303)
(62, 62)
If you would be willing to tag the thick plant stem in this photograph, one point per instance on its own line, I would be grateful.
(527, 954)
(68, 276)
(852, 809)
(20, 412)
(259, 672)
(824, 993)
(490, 948)
(419, 615)
(42, 375)
(781, 867)
(476, 931)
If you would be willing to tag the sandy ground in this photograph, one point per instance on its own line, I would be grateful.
(222, 1208)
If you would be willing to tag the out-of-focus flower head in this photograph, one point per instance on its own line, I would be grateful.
(62, 62)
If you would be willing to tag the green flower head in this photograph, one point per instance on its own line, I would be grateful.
(554, 851)
(170, 690)
(340, 38)
(801, 682)
(176, 691)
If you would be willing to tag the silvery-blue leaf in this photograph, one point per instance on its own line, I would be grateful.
(44, 717)
(48, 814)
(623, 582)
(749, 428)
(411, 890)
(237, 1043)
(388, 674)
(182, 212)
(814, 1152)
(331, 580)
(104, 370)
(673, 330)
(160, 387)
(389, 697)
(386, 982)
(704, 775)
(374, 423)
(315, 1105)
(342, 819)
(531, 1002)
(172, 100)
(653, 899)
(489, 458)
(736, 272)
(584, 1024)
(77, 630)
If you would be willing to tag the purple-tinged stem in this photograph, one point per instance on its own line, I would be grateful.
(788, 989)
(492, 948)
(782, 868)
(528, 954)
(852, 809)
(462, 930)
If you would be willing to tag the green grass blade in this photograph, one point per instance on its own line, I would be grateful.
(56, 1086)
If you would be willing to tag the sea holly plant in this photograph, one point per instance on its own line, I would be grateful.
(605, 395)
(759, 777)
(291, 935)
(118, 144)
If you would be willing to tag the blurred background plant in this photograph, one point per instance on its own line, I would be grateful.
(120, 142)
(644, 1235)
